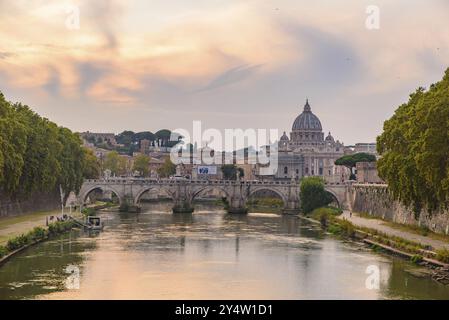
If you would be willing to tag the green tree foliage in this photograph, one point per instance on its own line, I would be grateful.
(116, 163)
(349, 161)
(167, 169)
(92, 166)
(126, 138)
(313, 195)
(144, 135)
(415, 149)
(36, 154)
(230, 172)
(141, 165)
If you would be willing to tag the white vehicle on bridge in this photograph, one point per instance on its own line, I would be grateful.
(182, 178)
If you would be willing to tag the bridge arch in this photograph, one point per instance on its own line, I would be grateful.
(334, 196)
(84, 194)
(160, 189)
(200, 190)
(272, 189)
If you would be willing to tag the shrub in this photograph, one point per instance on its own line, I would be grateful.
(60, 227)
(3, 251)
(88, 212)
(17, 242)
(347, 228)
(313, 195)
(324, 218)
(443, 255)
(416, 258)
(37, 234)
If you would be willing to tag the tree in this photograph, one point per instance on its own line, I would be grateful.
(36, 154)
(163, 136)
(92, 166)
(141, 165)
(230, 172)
(313, 195)
(144, 135)
(350, 161)
(126, 138)
(167, 169)
(123, 166)
(414, 148)
(111, 162)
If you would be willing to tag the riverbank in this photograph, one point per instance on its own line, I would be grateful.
(11, 227)
(33, 237)
(384, 227)
(419, 249)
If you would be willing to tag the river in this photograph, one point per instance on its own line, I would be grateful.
(208, 255)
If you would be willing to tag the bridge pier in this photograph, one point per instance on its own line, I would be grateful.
(237, 203)
(182, 200)
(292, 205)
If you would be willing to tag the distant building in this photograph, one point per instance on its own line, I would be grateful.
(96, 138)
(307, 152)
(367, 173)
(366, 148)
(145, 146)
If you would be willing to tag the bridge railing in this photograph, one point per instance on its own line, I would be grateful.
(191, 181)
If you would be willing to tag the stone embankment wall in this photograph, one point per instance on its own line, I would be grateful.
(38, 201)
(376, 201)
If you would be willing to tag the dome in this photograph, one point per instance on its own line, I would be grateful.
(329, 138)
(284, 137)
(307, 120)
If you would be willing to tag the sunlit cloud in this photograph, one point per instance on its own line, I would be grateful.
(173, 56)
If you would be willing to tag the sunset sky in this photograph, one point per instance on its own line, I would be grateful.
(147, 65)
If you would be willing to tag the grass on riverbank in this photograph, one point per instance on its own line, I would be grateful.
(35, 235)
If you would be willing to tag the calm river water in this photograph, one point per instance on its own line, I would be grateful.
(207, 255)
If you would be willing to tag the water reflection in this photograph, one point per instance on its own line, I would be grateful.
(41, 269)
(208, 255)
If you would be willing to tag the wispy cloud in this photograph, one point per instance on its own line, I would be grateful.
(231, 76)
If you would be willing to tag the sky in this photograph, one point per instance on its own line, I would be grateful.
(148, 65)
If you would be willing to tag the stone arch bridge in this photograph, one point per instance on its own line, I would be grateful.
(183, 192)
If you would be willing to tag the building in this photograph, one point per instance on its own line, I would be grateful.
(145, 146)
(367, 172)
(307, 152)
(366, 148)
(98, 138)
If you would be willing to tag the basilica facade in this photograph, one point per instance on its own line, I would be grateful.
(307, 152)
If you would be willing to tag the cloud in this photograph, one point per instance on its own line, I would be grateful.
(104, 16)
(53, 85)
(231, 76)
(4, 54)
